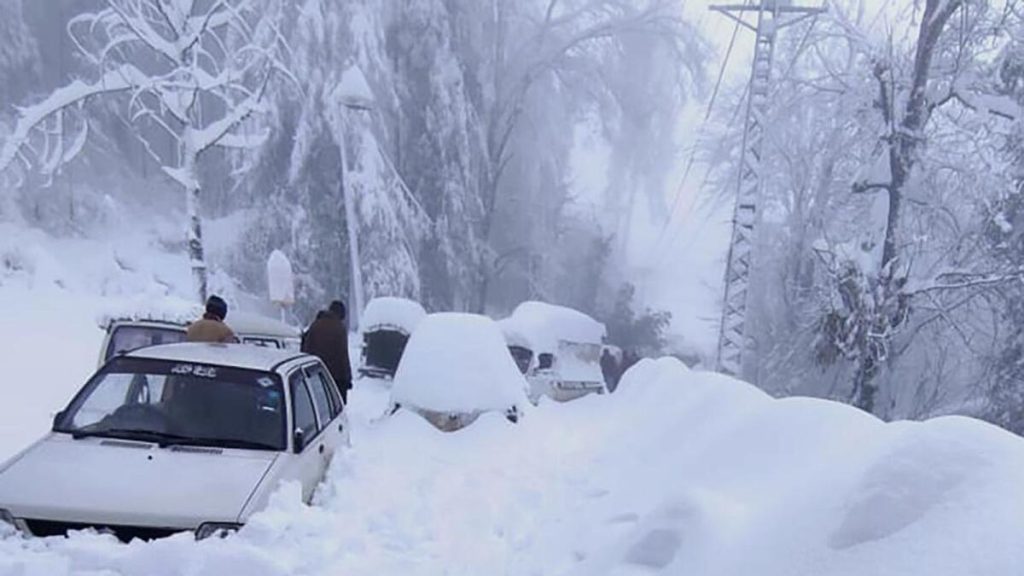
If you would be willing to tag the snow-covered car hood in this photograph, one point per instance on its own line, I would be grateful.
(105, 481)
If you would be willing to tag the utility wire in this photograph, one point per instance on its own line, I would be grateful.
(693, 151)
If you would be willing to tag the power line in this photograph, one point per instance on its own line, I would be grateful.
(700, 130)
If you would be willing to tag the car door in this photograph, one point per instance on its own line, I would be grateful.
(325, 394)
(310, 462)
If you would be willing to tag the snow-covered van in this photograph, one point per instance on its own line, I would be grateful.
(181, 437)
(455, 368)
(557, 348)
(386, 325)
(130, 331)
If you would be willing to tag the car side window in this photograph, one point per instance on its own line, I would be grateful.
(321, 400)
(302, 405)
(317, 378)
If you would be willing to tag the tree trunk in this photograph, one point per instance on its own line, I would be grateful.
(904, 142)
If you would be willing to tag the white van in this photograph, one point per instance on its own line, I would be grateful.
(127, 333)
(558, 349)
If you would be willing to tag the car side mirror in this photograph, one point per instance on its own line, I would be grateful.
(298, 440)
(545, 361)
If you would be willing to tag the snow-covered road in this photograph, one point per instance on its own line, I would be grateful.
(677, 473)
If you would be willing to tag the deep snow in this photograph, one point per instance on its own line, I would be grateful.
(678, 472)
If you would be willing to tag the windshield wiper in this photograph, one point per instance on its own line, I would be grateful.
(221, 443)
(164, 439)
(160, 438)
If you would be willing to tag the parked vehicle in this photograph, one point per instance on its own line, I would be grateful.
(455, 368)
(131, 332)
(557, 348)
(386, 325)
(180, 437)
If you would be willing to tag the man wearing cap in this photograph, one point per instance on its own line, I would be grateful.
(211, 328)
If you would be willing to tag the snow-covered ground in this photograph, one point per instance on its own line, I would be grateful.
(678, 473)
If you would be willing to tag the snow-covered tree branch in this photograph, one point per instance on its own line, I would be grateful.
(190, 70)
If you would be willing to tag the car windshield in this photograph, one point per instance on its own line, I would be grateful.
(129, 338)
(180, 403)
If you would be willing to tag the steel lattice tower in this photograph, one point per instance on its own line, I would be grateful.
(770, 16)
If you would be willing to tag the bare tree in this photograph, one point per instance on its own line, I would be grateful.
(190, 73)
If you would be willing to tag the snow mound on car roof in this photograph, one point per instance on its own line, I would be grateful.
(458, 363)
(542, 325)
(391, 312)
(169, 309)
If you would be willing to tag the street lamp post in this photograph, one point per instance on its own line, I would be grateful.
(353, 94)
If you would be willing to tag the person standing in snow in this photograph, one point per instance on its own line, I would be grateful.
(609, 369)
(211, 327)
(327, 339)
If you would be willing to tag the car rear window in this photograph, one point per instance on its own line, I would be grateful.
(129, 338)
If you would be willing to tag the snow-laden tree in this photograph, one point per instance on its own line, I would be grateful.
(189, 73)
(881, 154)
(327, 174)
(549, 66)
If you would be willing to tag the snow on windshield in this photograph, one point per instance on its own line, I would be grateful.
(458, 363)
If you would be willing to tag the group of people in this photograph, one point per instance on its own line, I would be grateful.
(326, 338)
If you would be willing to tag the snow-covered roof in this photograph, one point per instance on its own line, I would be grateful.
(544, 325)
(233, 355)
(170, 310)
(458, 363)
(180, 312)
(390, 312)
(353, 90)
(251, 324)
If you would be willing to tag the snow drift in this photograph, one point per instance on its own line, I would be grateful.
(677, 473)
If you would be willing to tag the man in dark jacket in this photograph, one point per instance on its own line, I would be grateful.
(327, 339)
(211, 328)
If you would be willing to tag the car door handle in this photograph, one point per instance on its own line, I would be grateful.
(320, 449)
(341, 427)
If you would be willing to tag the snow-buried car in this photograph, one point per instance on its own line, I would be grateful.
(180, 437)
(386, 326)
(455, 368)
(557, 348)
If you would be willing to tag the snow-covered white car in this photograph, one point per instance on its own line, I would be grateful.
(455, 368)
(131, 332)
(557, 348)
(181, 437)
(385, 326)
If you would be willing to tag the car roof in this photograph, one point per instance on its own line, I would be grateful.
(242, 323)
(234, 355)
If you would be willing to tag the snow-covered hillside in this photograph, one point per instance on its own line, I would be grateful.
(678, 472)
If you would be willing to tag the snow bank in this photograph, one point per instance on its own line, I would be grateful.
(390, 312)
(678, 473)
(458, 363)
(542, 325)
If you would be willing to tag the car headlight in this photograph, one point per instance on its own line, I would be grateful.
(218, 529)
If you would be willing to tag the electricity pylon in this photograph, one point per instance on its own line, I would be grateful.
(770, 16)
